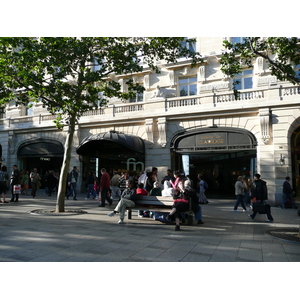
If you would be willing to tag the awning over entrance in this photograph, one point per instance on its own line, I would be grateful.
(104, 142)
(41, 147)
(213, 139)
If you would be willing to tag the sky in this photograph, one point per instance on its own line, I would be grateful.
(147, 18)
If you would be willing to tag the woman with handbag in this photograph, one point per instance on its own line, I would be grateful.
(180, 205)
(15, 182)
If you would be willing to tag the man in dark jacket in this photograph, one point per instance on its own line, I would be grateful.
(127, 200)
(259, 193)
(72, 182)
(287, 193)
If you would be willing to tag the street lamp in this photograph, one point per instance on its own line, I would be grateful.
(282, 160)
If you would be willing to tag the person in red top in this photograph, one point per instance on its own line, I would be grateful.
(140, 190)
(104, 188)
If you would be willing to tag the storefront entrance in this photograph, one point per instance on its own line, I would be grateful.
(43, 154)
(295, 153)
(113, 151)
(219, 154)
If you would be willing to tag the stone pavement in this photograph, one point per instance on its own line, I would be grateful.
(226, 236)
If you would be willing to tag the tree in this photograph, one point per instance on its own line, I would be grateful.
(280, 53)
(59, 73)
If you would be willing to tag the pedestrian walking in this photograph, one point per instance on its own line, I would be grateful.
(287, 193)
(259, 194)
(25, 183)
(72, 183)
(90, 186)
(114, 185)
(240, 192)
(203, 186)
(3, 184)
(15, 182)
(35, 182)
(104, 188)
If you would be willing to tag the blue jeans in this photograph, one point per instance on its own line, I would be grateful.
(72, 190)
(90, 190)
(198, 215)
(239, 200)
(246, 198)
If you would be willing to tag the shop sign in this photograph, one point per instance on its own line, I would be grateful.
(211, 139)
(214, 140)
(132, 162)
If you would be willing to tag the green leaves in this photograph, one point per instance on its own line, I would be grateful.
(281, 54)
(67, 74)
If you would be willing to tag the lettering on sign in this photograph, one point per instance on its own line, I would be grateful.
(45, 158)
(205, 140)
(132, 162)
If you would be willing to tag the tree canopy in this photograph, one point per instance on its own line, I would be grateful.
(69, 74)
(280, 53)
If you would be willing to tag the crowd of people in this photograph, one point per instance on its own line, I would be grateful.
(254, 194)
(176, 185)
(18, 182)
(124, 188)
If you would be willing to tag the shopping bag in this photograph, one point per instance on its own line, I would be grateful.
(161, 216)
(17, 189)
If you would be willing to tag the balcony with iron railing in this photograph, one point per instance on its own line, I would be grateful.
(222, 101)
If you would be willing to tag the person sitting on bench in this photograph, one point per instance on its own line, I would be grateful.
(181, 204)
(127, 200)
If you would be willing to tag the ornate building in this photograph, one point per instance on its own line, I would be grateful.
(186, 118)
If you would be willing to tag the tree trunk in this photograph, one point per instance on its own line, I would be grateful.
(63, 178)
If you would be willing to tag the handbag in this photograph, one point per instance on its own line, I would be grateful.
(261, 208)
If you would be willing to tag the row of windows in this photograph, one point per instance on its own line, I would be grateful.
(188, 85)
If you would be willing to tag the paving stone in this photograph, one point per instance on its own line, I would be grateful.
(94, 237)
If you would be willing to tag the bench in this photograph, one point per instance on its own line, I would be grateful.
(157, 203)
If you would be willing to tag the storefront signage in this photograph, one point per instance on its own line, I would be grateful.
(132, 162)
(214, 140)
(211, 139)
(45, 158)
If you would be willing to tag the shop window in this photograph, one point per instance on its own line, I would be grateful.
(244, 80)
(188, 86)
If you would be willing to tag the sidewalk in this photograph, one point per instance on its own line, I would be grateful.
(226, 236)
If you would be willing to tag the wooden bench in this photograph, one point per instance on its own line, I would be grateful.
(157, 203)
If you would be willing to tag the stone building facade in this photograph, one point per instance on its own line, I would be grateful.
(187, 118)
